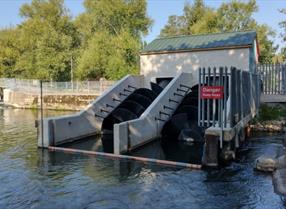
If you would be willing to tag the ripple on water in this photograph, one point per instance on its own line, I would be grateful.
(30, 178)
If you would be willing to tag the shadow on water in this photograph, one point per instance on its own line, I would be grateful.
(121, 169)
(162, 149)
(34, 178)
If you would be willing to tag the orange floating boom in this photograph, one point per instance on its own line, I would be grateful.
(114, 156)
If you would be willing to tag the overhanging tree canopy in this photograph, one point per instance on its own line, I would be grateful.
(233, 16)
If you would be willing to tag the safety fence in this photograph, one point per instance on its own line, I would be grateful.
(226, 96)
(57, 88)
(273, 78)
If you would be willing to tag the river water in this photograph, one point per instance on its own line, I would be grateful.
(32, 178)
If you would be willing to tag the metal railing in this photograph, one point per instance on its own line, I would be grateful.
(76, 87)
(240, 96)
(273, 78)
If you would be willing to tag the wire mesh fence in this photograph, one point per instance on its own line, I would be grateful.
(58, 88)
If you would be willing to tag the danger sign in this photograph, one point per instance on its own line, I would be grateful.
(211, 92)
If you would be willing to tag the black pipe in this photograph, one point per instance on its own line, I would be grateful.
(116, 100)
(175, 94)
(127, 90)
(121, 94)
(182, 90)
(182, 85)
(99, 116)
(108, 105)
(169, 108)
(160, 119)
(103, 110)
(132, 87)
(171, 100)
(163, 113)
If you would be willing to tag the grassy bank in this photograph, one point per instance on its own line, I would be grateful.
(271, 112)
(271, 118)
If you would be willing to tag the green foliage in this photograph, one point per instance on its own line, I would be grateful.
(231, 16)
(109, 56)
(48, 39)
(197, 18)
(283, 34)
(111, 33)
(104, 41)
(237, 15)
(9, 52)
(117, 15)
(267, 112)
(266, 45)
(41, 47)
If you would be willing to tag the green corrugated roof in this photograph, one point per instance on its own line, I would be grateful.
(204, 41)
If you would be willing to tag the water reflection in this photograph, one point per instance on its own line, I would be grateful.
(179, 151)
(95, 165)
(32, 178)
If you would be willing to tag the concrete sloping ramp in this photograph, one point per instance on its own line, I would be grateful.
(59, 130)
(131, 108)
(131, 134)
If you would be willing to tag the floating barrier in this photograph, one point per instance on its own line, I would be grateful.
(115, 156)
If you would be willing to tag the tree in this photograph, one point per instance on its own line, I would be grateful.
(266, 45)
(47, 39)
(283, 34)
(231, 16)
(196, 18)
(109, 56)
(237, 16)
(111, 33)
(130, 15)
(175, 26)
(9, 52)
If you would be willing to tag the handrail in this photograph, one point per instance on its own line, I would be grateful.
(241, 96)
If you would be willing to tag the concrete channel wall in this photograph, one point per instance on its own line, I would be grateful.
(58, 130)
(19, 99)
(134, 133)
(22, 99)
(76, 95)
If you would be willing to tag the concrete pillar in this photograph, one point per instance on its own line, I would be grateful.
(46, 134)
(211, 151)
(7, 96)
(1, 94)
(121, 138)
(101, 85)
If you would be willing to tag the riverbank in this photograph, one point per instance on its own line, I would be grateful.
(271, 118)
(276, 126)
(23, 100)
(76, 95)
